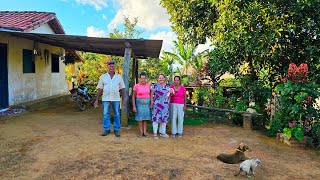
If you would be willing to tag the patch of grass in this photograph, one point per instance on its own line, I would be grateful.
(195, 121)
(205, 117)
(133, 122)
(191, 119)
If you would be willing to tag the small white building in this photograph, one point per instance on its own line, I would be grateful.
(30, 70)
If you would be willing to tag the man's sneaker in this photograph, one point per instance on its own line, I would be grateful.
(117, 133)
(164, 135)
(105, 133)
(173, 135)
(180, 135)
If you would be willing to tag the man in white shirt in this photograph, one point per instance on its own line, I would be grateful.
(109, 86)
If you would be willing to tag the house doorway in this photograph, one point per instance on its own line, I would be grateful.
(4, 95)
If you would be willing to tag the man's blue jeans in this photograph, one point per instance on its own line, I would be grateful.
(106, 115)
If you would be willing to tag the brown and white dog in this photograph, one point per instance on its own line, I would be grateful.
(235, 157)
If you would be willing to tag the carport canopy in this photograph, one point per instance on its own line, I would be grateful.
(141, 48)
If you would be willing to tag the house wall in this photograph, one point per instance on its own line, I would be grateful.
(44, 29)
(25, 87)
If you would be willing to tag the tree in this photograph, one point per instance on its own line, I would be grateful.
(152, 67)
(193, 20)
(263, 35)
(88, 73)
(184, 54)
(130, 30)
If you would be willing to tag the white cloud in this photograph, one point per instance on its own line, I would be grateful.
(95, 32)
(98, 4)
(104, 16)
(203, 47)
(167, 38)
(150, 13)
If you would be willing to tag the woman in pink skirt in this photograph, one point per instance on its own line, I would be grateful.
(141, 104)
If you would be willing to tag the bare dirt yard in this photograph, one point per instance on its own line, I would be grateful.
(62, 143)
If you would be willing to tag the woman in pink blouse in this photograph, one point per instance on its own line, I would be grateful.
(178, 107)
(141, 104)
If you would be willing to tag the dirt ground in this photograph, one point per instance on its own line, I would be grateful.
(62, 143)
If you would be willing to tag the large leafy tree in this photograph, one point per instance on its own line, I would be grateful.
(263, 35)
(193, 19)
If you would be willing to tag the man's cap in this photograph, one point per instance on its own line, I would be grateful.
(111, 62)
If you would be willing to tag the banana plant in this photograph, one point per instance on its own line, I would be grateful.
(184, 54)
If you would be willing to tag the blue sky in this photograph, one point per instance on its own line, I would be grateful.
(99, 17)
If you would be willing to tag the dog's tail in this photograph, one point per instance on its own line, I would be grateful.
(220, 157)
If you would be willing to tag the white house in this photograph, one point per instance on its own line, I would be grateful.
(30, 70)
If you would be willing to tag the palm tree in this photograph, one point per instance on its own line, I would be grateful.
(199, 60)
(184, 54)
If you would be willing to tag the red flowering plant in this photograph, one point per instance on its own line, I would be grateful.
(296, 112)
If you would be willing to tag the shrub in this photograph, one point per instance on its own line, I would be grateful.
(296, 112)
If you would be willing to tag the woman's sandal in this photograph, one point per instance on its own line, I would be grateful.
(146, 135)
(140, 135)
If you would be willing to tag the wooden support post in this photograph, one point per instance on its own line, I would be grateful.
(74, 76)
(137, 70)
(124, 109)
(133, 73)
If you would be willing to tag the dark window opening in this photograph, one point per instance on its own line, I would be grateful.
(28, 61)
(54, 63)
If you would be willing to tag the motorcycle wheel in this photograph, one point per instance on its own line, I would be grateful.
(80, 103)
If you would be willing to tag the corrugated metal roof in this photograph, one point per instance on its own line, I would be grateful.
(142, 48)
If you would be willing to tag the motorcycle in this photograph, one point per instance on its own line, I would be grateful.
(82, 97)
